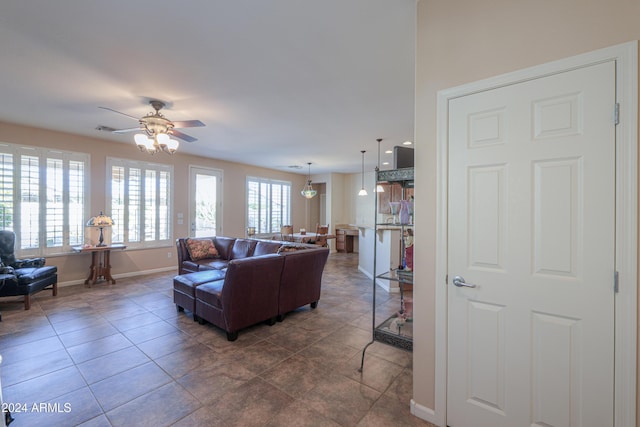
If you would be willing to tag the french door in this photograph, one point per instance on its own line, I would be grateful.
(205, 201)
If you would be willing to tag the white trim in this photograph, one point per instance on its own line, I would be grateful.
(626, 57)
(123, 275)
(423, 412)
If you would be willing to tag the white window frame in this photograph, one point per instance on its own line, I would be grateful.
(68, 223)
(269, 227)
(164, 234)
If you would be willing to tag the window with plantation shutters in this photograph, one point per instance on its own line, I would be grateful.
(43, 198)
(268, 204)
(140, 202)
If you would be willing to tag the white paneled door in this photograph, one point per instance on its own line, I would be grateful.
(531, 210)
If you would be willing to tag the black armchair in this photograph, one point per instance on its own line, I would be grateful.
(23, 276)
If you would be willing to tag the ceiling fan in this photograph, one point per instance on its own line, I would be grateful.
(154, 123)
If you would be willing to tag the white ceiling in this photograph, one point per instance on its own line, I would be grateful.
(277, 82)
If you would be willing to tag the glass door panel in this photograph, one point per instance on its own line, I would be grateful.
(205, 201)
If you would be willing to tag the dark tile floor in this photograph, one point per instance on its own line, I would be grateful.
(121, 355)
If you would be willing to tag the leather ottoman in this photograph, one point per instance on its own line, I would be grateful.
(184, 288)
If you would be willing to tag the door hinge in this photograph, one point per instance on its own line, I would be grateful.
(616, 114)
(446, 279)
(615, 282)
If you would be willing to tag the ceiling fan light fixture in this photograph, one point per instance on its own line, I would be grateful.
(157, 130)
(172, 146)
(144, 143)
(163, 140)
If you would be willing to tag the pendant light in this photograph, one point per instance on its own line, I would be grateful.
(379, 188)
(308, 191)
(362, 192)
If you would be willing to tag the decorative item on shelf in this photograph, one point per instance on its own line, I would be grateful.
(408, 249)
(395, 208)
(362, 191)
(404, 211)
(101, 221)
(308, 191)
(410, 206)
(379, 188)
(251, 231)
(407, 309)
(303, 231)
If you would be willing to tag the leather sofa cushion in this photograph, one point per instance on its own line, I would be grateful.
(211, 293)
(187, 283)
(212, 264)
(242, 248)
(190, 265)
(224, 245)
(265, 248)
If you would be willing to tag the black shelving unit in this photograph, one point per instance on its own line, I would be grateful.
(395, 330)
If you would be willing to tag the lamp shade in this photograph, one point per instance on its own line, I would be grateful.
(100, 221)
(308, 191)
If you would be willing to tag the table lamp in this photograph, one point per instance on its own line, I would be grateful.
(101, 221)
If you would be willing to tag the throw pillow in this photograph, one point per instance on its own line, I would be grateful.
(201, 248)
(291, 248)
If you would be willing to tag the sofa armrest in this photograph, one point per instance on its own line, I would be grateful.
(183, 253)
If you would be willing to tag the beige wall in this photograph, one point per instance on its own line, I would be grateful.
(73, 268)
(467, 40)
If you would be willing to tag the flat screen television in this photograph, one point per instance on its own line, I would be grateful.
(402, 157)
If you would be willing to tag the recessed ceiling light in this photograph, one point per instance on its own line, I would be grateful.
(388, 152)
(294, 167)
(385, 163)
(407, 143)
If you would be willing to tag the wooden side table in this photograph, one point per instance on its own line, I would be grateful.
(100, 262)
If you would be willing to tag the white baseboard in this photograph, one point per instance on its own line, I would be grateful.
(424, 413)
(122, 275)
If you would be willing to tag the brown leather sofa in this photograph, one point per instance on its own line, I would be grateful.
(228, 248)
(250, 281)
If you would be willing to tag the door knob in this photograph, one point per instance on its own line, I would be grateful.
(459, 282)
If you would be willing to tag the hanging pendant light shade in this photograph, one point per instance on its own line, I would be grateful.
(308, 191)
(362, 191)
(379, 188)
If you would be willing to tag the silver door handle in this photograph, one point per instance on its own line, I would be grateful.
(459, 282)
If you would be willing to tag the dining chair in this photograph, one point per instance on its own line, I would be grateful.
(286, 233)
(321, 235)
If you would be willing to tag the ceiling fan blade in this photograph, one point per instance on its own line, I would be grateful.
(188, 124)
(183, 136)
(126, 130)
(119, 112)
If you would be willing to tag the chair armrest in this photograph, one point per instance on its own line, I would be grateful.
(29, 263)
(5, 269)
